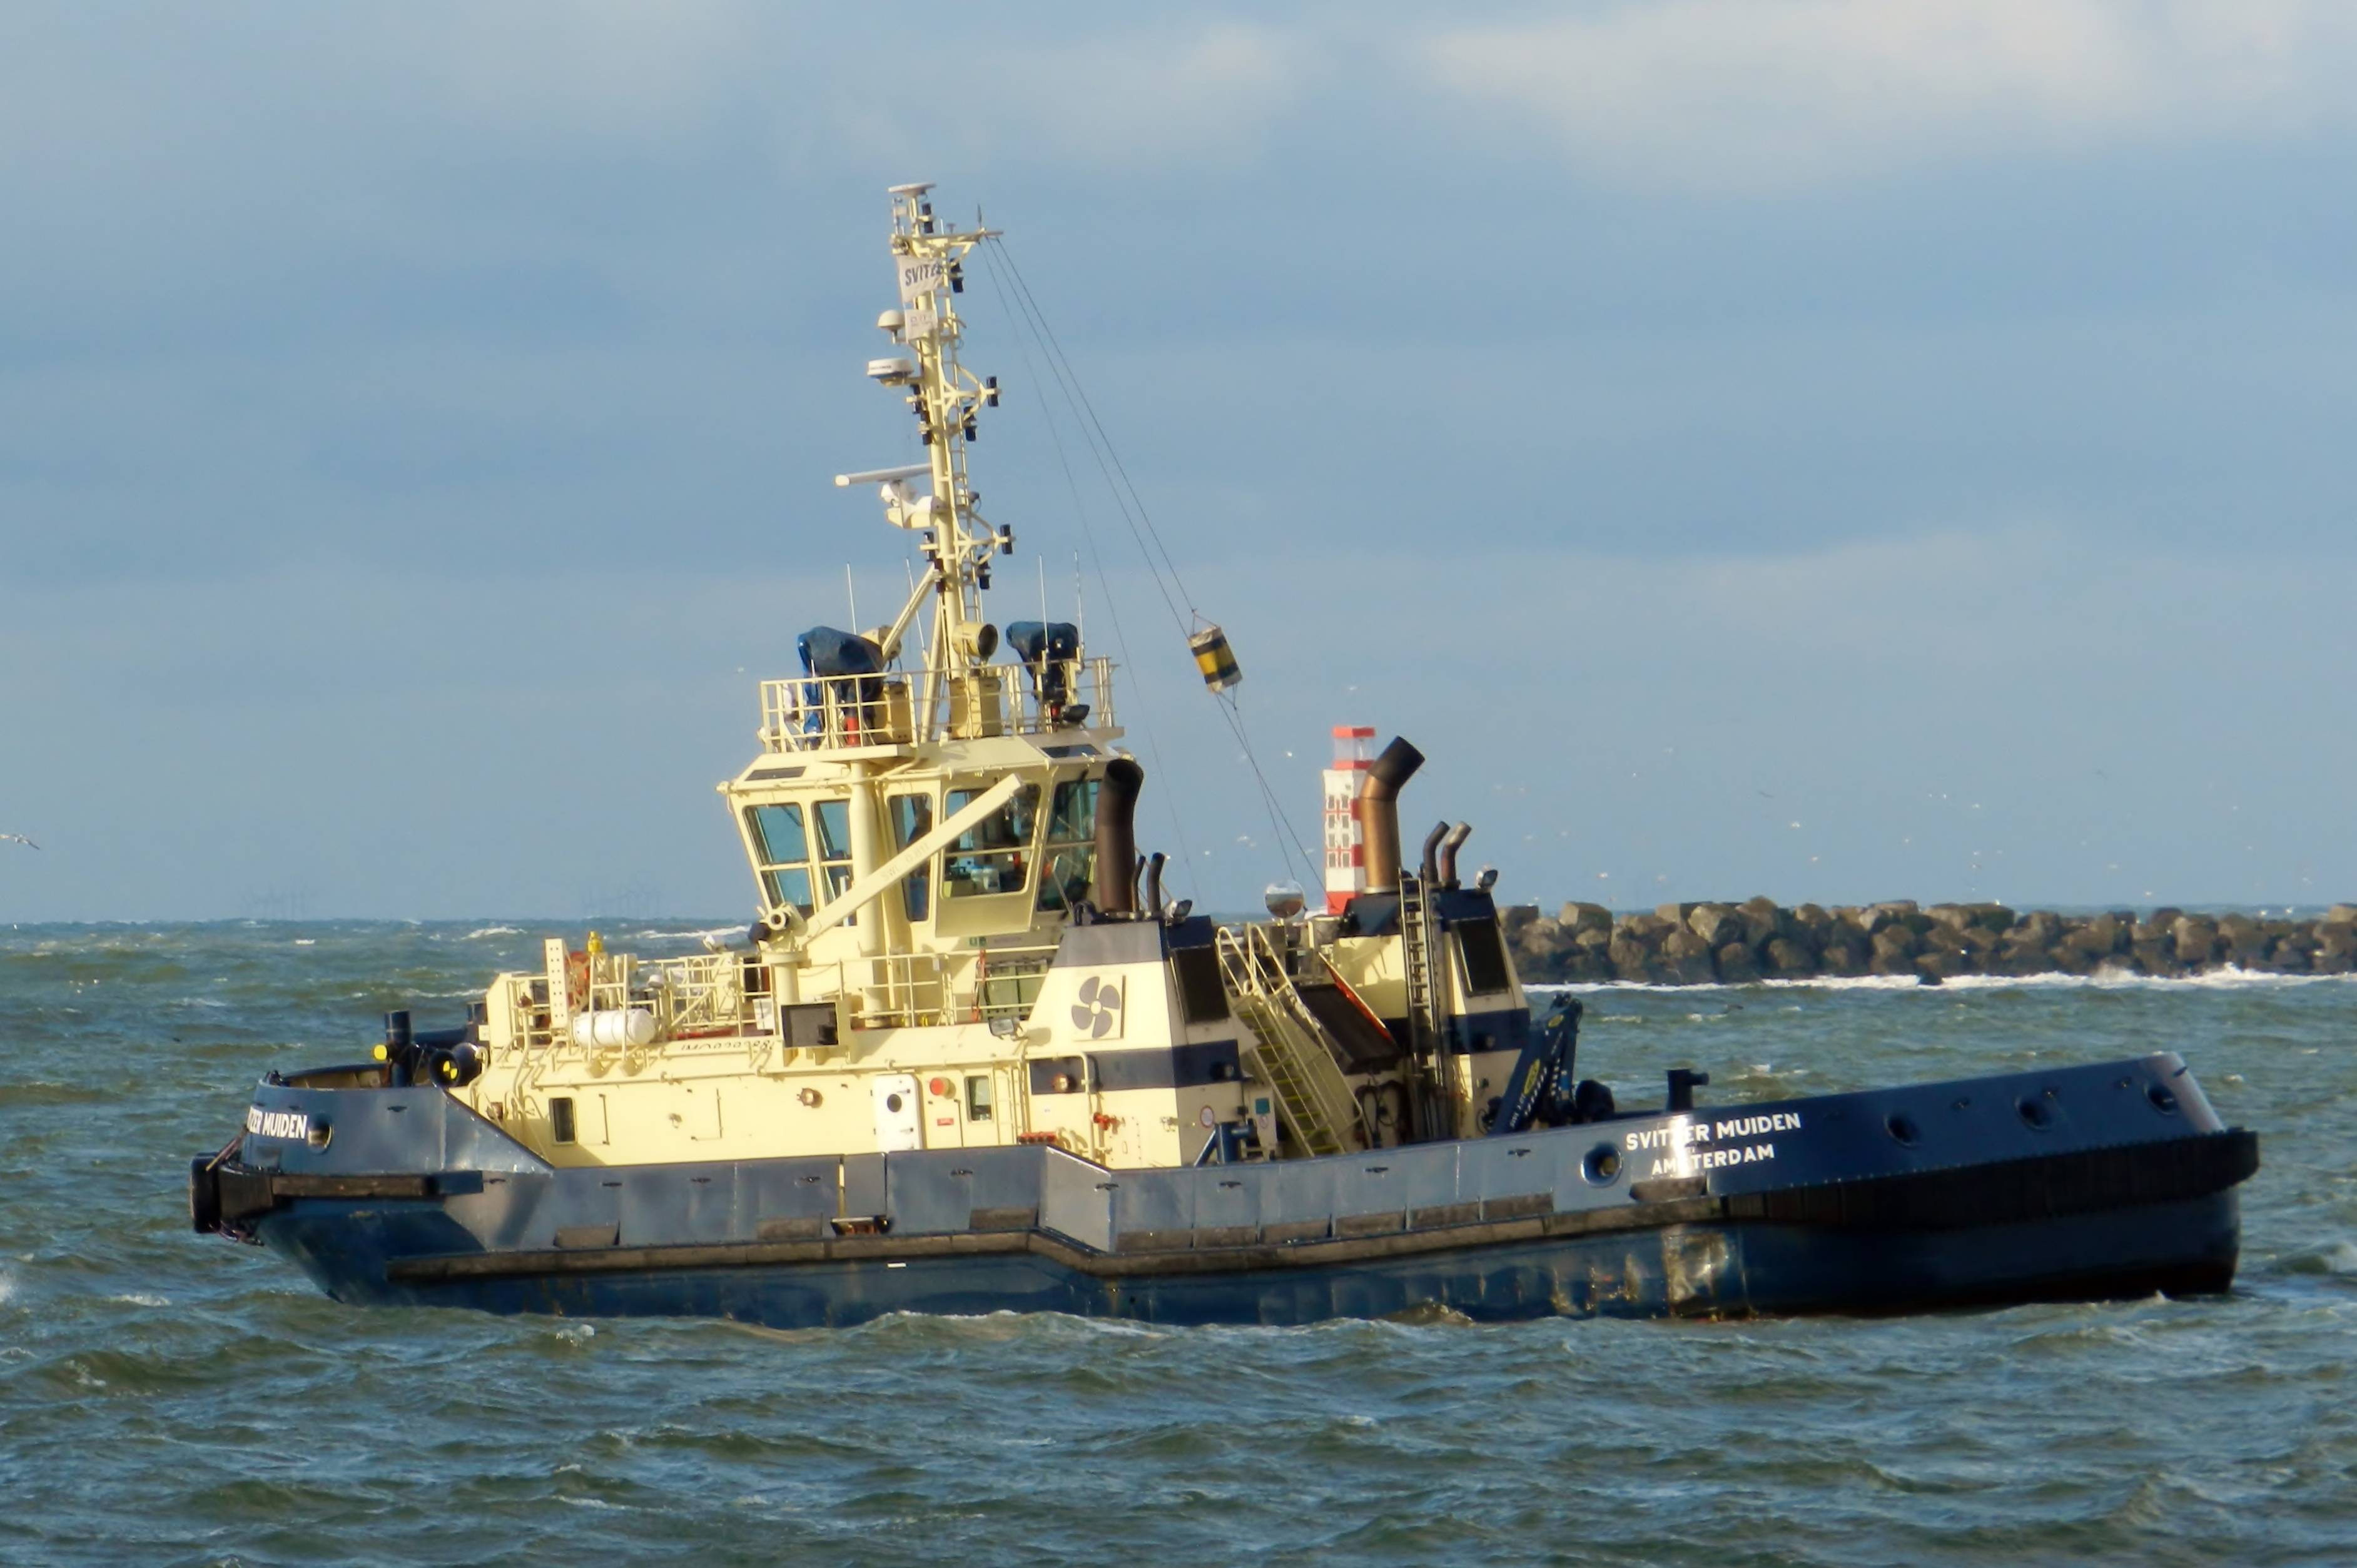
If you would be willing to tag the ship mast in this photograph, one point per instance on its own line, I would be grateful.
(927, 259)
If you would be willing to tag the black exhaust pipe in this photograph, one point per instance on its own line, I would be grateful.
(400, 1048)
(1428, 865)
(1152, 905)
(1379, 812)
(1449, 848)
(1116, 873)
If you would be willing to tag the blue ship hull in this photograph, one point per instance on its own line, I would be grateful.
(2103, 1181)
(2178, 1248)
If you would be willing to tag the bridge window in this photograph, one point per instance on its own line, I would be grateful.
(833, 844)
(912, 819)
(783, 850)
(1070, 853)
(995, 854)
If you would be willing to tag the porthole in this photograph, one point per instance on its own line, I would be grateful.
(892, 1102)
(1901, 1128)
(2034, 1113)
(1602, 1166)
(2163, 1098)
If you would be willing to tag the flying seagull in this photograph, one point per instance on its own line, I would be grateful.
(18, 838)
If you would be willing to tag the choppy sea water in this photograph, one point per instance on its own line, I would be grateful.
(171, 1399)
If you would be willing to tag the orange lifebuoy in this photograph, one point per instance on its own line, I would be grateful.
(576, 978)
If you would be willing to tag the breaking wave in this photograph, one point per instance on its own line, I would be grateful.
(2227, 979)
(651, 936)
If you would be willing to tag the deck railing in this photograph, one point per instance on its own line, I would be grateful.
(816, 712)
(706, 994)
(901, 990)
(700, 993)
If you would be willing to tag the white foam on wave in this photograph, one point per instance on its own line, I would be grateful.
(651, 936)
(8, 1286)
(2340, 1257)
(141, 1298)
(306, 942)
(2228, 979)
(482, 931)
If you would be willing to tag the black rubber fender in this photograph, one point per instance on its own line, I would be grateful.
(204, 1194)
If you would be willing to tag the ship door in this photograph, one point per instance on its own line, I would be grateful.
(897, 1113)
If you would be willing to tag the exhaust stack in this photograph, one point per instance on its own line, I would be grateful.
(1116, 873)
(1379, 811)
(1428, 865)
(1449, 848)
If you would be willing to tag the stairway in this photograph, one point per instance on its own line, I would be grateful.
(1289, 1053)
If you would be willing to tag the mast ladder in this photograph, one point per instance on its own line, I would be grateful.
(1290, 1055)
(1417, 956)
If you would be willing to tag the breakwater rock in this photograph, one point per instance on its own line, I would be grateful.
(1702, 943)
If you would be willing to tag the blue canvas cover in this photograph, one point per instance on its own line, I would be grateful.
(826, 651)
(1045, 646)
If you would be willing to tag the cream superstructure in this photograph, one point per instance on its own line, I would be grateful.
(953, 949)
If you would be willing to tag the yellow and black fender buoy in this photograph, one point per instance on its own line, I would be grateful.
(1215, 657)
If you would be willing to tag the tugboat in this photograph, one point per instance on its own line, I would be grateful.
(970, 1059)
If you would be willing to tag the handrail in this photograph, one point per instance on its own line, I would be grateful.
(818, 713)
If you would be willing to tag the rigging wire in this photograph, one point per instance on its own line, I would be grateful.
(1132, 507)
(1141, 526)
(1096, 562)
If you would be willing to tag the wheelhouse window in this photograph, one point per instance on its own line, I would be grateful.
(833, 844)
(912, 819)
(783, 850)
(995, 854)
(1070, 851)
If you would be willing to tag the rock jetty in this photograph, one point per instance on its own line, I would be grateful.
(1693, 944)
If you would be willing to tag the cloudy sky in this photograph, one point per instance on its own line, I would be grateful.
(1823, 448)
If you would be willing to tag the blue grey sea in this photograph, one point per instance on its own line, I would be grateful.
(171, 1399)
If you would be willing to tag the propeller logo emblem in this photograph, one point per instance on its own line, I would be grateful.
(1097, 1012)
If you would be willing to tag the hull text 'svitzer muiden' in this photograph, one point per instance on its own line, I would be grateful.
(968, 1058)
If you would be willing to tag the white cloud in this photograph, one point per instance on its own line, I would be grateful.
(1780, 94)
